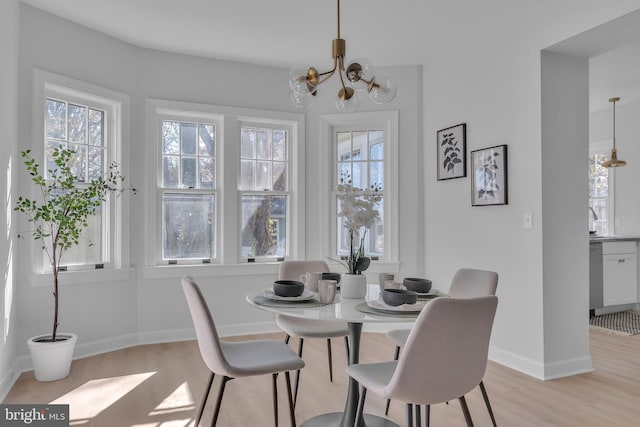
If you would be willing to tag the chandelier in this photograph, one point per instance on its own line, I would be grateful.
(614, 162)
(356, 77)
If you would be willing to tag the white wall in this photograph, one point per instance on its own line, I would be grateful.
(626, 201)
(9, 20)
(102, 314)
(565, 116)
(488, 75)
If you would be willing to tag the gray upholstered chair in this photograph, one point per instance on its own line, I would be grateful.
(466, 283)
(305, 328)
(444, 358)
(237, 359)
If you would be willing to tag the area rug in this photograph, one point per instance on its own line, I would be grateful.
(621, 323)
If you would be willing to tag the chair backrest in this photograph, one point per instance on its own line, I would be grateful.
(445, 355)
(469, 283)
(292, 270)
(206, 333)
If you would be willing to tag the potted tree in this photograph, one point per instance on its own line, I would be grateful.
(59, 216)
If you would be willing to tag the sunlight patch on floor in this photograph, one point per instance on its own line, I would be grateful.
(179, 400)
(93, 397)
(180, 397)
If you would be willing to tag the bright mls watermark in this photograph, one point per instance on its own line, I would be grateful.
(34, 415)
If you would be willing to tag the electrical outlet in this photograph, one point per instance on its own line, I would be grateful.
(527, 221)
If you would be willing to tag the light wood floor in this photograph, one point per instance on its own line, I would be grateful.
(161, 385)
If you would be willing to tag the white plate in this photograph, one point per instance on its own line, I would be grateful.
(306, 295)
(431, 292)
(378, 304)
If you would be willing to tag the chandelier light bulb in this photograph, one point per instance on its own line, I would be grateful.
(359, 73)
(382, 89)
(301, 79)
(348, 105)
(301, 100)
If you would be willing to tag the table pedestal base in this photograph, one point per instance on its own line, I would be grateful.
(335, 419)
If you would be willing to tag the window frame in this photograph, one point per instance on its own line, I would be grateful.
(228, 203)
(168, 114)
(604, 147)
(290, 128)
(387, 121)
(116, 129)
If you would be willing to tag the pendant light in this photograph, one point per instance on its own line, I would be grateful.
(614, 162)
(355, 76)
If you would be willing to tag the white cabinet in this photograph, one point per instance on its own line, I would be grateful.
(620, 272)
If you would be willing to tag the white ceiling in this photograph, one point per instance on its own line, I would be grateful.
(289, 32)
(275, 32)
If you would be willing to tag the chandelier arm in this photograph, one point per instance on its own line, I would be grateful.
(370, 83)
(340, 60)
(327, 74)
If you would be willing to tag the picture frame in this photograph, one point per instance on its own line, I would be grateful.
(489, 176)
(452, 152)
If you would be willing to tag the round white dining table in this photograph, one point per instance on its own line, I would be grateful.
(342, 309)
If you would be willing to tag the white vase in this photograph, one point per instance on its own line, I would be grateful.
(52, 360)
(353, 286)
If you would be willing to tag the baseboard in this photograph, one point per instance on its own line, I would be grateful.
(568, 367)
(512, 360)
(515, 361)
(546, 371)
(171, 335)
(93, 348)
(8, 379)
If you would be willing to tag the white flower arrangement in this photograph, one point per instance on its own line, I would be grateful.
(357, 207)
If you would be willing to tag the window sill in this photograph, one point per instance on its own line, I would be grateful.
(247, 269)
(81, 277)
(207, 270)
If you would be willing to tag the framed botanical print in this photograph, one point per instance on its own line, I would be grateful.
(489, 176)
(452, 152)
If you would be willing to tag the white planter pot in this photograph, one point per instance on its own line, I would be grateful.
(52, 360)
(353, 286)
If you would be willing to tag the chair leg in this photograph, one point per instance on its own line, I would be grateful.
(295, 393)
(465, 411)
(360, 411)
(418, 417)
(330, 361)
(219, 400)
(346, 347)
(204, 400)
(410, 415)
(287, 338)
(275, 399)
(290, 396)
(395, 357)
(486, 401)
(427, 415)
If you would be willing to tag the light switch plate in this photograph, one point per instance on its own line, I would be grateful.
(527, 221)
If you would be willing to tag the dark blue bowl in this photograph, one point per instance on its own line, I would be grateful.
(288, 288)
(397, 297)
(417, 285)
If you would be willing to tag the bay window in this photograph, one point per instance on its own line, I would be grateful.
(227, 182)
(88, 120)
